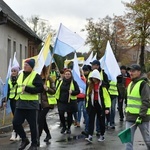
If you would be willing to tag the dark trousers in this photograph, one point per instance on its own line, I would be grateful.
(31, 116)
(120, 108)
(69, 119)
(96, 109)
(42, 121)
(13, 107)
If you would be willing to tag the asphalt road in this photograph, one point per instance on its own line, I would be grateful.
(75, 141)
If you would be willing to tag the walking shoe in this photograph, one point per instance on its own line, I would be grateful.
(18, 138)
(84, 133)
(48, 137)
(101, 138)
(24, 143)
(68, 131)
(89, 139)
(78, 125)
(63, 130)
(32, 147)
(13, 136)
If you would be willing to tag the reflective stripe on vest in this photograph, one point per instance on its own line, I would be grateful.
(51, 98)
(134, 99)
(113, 88)
(29, 82)
(12, 91)
(58, 91)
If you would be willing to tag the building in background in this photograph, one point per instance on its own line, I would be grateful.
(15, 36)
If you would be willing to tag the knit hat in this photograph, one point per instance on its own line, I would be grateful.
(31, 62)
(16, 68)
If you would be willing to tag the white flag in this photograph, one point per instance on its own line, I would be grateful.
(67, 41)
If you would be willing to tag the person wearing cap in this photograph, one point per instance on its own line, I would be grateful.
(138, 106)
(98, 103)
(29, 85)
(12, 86)
(122, 89)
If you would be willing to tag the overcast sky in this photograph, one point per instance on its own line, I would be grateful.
(71, 13)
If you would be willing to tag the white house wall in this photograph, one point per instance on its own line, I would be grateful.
(6, 33)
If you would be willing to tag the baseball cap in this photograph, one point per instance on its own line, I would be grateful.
(135, 67)
(95, 62)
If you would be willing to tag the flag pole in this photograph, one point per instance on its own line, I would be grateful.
(4, 115)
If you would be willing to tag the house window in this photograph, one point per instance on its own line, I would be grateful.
(14, 47)
(20, 54)
(8, 51)
(26, 52)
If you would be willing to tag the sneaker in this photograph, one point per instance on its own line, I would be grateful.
(78, 125)
(18, 138)
(63, 130)
(13, 136)
(48, 137)
(32, 147)
(68, 131)
(84, 133)
(89, 139)
(101, 138)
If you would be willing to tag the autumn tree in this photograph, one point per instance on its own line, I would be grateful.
(138, 25)
(97, 34)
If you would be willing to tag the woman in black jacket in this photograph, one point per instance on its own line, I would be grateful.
(49, 88)
(67, 100)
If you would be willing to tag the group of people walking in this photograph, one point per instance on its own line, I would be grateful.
(33, 95)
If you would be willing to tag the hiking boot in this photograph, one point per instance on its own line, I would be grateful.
(24, 143)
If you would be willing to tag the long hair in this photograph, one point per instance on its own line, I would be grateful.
(90, 85)
(44, 72)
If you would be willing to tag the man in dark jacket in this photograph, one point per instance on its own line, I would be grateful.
(138, 106)
(29, 85)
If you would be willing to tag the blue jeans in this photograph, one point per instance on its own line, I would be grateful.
(144, 129)
(80, 108)
(113, 111)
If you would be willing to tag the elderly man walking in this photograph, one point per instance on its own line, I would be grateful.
(29, 85)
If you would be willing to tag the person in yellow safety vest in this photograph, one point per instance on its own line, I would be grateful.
(47, 102)
(113, 91)
(66, 94)
(138, 106)
(53, 72)
(12, 86)
(98, 103)
(104, 78)
(29, 85)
